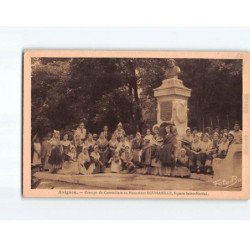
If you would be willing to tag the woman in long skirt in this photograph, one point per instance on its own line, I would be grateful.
(65, 145)
(55, 158)
(167, 156)
(137, 145)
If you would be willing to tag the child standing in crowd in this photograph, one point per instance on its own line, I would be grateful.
(137, 144)
(146, 155)
(96, 164)
(127, 164)
(55, 158)
(37, 153)
(115, 163)
(156, 149)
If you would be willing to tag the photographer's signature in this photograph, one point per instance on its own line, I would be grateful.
(225, 183)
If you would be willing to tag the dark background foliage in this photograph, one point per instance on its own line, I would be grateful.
(104, 91)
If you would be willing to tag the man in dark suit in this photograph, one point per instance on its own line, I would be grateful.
(106, 132)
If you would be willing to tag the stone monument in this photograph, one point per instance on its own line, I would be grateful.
(172, 99)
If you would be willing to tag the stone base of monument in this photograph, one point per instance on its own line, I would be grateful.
(172, 103)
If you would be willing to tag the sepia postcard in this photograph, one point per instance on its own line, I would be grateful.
(136, 124)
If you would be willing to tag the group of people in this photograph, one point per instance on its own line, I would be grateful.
(160, 150)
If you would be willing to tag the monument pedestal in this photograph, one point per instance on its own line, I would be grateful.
(172, 97)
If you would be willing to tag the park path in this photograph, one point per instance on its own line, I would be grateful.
(123, 182)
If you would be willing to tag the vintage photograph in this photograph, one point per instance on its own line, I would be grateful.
(134, 124)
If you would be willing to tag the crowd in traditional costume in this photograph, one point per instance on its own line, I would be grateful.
(160, 151)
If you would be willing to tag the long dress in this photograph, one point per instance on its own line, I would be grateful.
(156, 149)
(168, 149)
(65, 147)
(147, 155)
(37, 154)
(55, 158)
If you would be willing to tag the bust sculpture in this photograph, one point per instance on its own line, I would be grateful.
(172, 70)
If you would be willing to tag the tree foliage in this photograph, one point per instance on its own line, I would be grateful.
(104, 91)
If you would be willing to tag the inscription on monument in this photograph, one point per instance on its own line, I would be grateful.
(166, 111)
